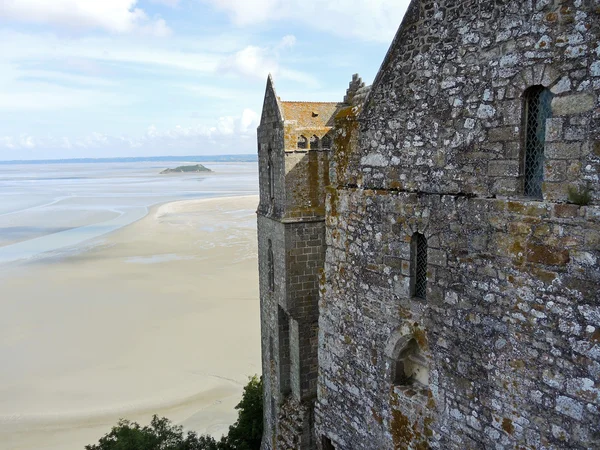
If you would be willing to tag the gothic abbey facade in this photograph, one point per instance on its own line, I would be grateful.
(429, 247)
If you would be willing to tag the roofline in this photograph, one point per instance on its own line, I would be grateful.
(313, 103)
(395, 42)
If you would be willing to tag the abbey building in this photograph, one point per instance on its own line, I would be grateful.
(429, 247)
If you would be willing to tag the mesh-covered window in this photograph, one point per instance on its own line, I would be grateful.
(271, 176)
(537, 110)
(419, 263)
(302, 142)
(314, 143)
(271, 265)
(326, 141)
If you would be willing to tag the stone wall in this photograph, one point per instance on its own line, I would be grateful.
(445, 113)
(509, 326)
(510, 323)
(270, 143)
(290, 225)
(306, 177)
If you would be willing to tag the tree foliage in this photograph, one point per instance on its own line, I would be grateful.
(161, 434)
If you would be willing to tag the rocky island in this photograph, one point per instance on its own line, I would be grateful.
(187, 169)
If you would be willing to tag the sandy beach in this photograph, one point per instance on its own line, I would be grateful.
(161, 316)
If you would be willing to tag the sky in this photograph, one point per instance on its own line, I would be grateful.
(110, 78)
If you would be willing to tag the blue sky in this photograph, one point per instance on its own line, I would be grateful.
(91, 78)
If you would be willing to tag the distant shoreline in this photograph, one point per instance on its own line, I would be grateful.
(208, 158)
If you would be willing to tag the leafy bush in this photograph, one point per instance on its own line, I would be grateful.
(246, 432)
(161, 434)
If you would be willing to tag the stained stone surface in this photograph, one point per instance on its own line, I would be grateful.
(510, 326)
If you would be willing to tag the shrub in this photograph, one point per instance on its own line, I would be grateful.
(161, 434)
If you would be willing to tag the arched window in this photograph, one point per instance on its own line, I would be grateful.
(314, 143)
(418, 262)
(271, 265)
(537, 110)
(271, 176)
(326, 141)
(410, 366)
(302, 142)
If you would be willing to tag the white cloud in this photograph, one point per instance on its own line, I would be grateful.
(63, 78)
(229, 134)
(252, 62)
(257, 62)
(116, 16)
(50, 97)
(171, 3)
(374, 20)
(249, 121)
(287, 41)
(243, 125)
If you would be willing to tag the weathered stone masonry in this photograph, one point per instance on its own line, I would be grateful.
(291, 223)
(503, 351)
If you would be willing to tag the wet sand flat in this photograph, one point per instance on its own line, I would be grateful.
(161, 316)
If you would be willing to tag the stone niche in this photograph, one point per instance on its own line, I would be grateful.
(410, 366)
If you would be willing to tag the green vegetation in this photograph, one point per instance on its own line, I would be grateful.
(187, 169)
(161, 434)
(581, 196)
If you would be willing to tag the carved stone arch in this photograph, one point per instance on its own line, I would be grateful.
(302, 142)
(541, 74)
(538, 78)
(314, 142)
(406, 362)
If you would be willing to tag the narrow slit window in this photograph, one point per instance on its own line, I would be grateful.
(271, 264)
(537, 110)
(284, 352)
(271, 176)
(302, 142)
(419, 263)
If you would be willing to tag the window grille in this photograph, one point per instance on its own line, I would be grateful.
(420, 265)
(302, 142)
(537, 110)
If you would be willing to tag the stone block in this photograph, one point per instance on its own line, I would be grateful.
(555, 170)
(563, 150)
(503, 168)
(569, 407)
(554, 127)
(543, 254)
(436, 257)
(501, 134)
(567, 105)
(563, 210)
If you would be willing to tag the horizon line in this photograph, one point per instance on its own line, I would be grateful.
(113, 158)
